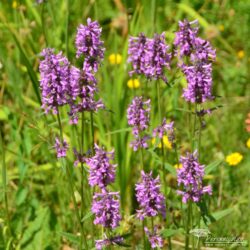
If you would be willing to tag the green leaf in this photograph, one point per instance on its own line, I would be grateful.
(21, 196)
(70, 237)
(221, 214)
(170, 232)
(210, 167)
(88, 215)
(170, 168)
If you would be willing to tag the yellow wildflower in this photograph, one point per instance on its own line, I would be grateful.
(14, 4)
(133, 83)
(234, 159)
(221, 27)
(241, 54)
(167, 144)
(248, 143)
(178, 166)
(115, 59)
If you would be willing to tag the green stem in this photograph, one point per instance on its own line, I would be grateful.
(67, 28)
(92, 132)
(187, 225)
(4, 180)
(78, 217)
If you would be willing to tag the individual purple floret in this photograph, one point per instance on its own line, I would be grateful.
(138, 53)
(185, 37)
(106, 207)
(159, 58)
(154, 238)
(55, 79)
(164, 128)
(101, 172)
(138, 115)
(148, 195)
(191, 176)
(61, 148)
(88, 43)
(100, 244)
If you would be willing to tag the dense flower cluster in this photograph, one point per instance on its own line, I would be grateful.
(106, 207)
(138, 115)
(154, 238)
(198, 69)
(102, 172)
(151, 201)
(55, 80)
(89, 45)
(149, 57)
(191, 176)
(165, 129)
(100, 244)
(61, 148)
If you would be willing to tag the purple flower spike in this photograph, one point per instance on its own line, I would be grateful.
(106, 207)
(191, 176)
(89, 44)
(100, 244)
(149, 57)
(138, 53)
(164, 128)
(185, 37)
(55, 78)
(159, 58)
(61, 149)
(151, 201)
(154, 238)
(101, 172)
(138, 115)
(198, 68)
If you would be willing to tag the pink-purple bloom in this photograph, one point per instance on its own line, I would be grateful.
(156, 241)
(149, 57)
(88, 44)
(190, 176)
(55, 80)
(102, 171)
(165, 129)
(138, 115)
(197, 68)
(116, 240)
(106, 208)
(61, 148)
(151, 200)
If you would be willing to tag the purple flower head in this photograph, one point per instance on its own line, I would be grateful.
(154, 238)
(88, 43)
(149, 57)
(159, 58)
(165, 128)
(185, 37)
(55, 78)
(82, 91)
(138, 53)
(139, 142)
(151, 201)
(61, 148)
(199, 88)
(101, 172)
(100, 244)
(106, 207)
(202, 51)
(80, 158)
(191, 176)
(138, 115)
